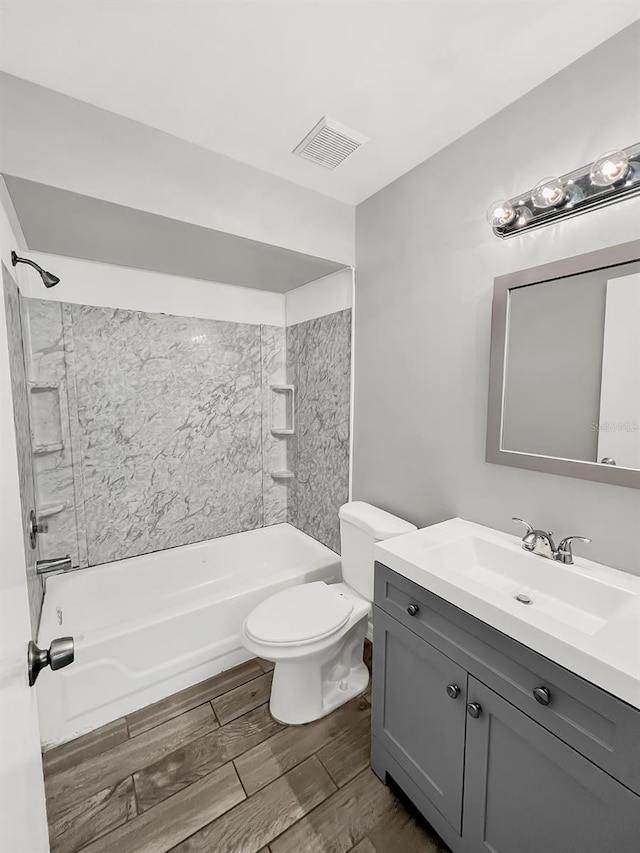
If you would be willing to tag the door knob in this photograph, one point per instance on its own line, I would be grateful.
(60, 653)
(474, 710)
(542, 695)
(453, 691)
(413, 610)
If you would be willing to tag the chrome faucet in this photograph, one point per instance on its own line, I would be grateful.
(54, 566)
(541, 542)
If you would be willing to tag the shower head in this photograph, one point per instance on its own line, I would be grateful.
(48, 278)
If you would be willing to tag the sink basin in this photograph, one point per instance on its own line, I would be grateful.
(558, 591)
(585, 616)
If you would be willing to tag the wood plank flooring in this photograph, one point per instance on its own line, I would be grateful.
(208, 770)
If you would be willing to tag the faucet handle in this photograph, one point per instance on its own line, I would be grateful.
(565, 553)
(522, 521)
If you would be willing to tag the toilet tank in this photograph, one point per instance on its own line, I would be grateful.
(361, 526)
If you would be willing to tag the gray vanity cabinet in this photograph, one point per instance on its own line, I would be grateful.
(526, 791)
(457, 725)
(417, 720)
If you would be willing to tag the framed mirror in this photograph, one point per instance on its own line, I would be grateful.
(564, 388)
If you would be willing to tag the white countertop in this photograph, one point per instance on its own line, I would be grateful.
(598, 640)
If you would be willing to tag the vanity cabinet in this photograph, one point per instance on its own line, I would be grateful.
(500, 749)
(435, 758)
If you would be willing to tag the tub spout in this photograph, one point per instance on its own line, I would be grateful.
(55, 566)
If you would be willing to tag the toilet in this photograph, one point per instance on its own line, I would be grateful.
(315, 632)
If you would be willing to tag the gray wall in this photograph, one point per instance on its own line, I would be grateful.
(426, 260)
(319, 365)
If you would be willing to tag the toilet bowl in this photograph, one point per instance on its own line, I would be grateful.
(314, 633)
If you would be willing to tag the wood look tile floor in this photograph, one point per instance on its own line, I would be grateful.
(208, 770)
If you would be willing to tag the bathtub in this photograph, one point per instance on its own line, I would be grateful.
(149, 626)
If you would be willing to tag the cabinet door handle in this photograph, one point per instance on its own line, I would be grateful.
(474, 710)
(453, 691)
(413, 610)
(542, 695)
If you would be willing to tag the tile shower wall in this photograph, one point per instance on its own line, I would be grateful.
(159, 427)
(274, 448)
(59, 495)
(170, 423)
(19, 395)
(319, 365)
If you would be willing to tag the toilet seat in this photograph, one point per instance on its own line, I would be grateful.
(301, 614)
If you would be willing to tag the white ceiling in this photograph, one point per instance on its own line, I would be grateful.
(249, 79)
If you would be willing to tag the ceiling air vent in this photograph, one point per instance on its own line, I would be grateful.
(329, 143)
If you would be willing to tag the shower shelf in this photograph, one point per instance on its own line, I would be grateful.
(284, 422)
(47, 510)
(282, 475)
(41, 449)
(35, 387)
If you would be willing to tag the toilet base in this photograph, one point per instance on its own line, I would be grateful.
(307, 689)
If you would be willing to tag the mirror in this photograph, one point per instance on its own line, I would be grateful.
(564, 394)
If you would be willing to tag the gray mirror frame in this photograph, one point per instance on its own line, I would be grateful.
(624, 253)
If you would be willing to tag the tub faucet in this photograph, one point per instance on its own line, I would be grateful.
(541, 542)
(54, 566)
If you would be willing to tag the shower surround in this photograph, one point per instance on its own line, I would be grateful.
(164, 423)
(170, 424)
(319, 366)
(19, 397)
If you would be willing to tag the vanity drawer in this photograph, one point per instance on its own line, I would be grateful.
(601, 727)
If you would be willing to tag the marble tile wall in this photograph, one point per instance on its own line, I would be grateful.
(274, 447)
(165, 424)
(58, 481)
(170, 426)
(19, 394)
(319, 365)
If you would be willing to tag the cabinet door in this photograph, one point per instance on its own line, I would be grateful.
(526, 791)
(416, 720)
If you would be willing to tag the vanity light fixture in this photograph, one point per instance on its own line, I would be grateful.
(613, 177)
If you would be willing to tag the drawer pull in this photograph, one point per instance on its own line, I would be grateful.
(453, 691)
(542, 695)
(474, 710)
(413, 610)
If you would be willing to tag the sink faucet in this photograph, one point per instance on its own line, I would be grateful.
(541, 542)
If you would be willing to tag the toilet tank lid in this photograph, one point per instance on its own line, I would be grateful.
(374, 521)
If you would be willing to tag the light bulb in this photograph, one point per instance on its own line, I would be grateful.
(500, 213)
(548, 193)
(609, 168)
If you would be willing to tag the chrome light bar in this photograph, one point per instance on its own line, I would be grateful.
(613, 177)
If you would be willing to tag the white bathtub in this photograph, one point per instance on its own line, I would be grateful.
(149, 626)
